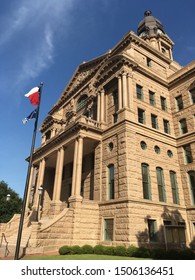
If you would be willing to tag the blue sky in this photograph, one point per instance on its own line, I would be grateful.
(45, 40)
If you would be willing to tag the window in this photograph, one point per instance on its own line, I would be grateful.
(192, 95)
(163, 102)
(174, 187)
(115, 118)
(170, 153)
(139, 91)
(157, 149)
(191, 175)
(81, 102)
(48, 135)
(183, 126)
(143, 145)
(111, 181)
(141, 116)
(146, 181)
(188, 153)
(166, 126)
(154, 121)
(152, 97)
(179, 102)
(152, 230)
(108, 229)
(160, 183)
(148, 61)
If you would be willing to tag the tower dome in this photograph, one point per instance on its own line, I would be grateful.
(150, 26)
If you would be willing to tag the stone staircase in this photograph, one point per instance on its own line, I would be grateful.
(8, 243)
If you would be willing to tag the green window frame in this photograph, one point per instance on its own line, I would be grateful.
(139, 92)
(174, 187)
(146, 181)
(191, 175)
(108, 229)
(81, 102)
(161, 185)
(152, 98)
(152, 230)
(163, 102)
(111, 181)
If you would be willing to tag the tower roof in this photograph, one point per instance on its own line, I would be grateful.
(149, 26)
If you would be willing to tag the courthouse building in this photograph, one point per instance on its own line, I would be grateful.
(117, 158)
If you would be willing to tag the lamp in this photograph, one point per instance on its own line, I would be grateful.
(8, 197)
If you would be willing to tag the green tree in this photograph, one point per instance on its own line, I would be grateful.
(8, 207)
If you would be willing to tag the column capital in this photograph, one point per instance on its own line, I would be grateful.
(129, 74)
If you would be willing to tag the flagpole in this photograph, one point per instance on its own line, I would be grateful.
(17, 251)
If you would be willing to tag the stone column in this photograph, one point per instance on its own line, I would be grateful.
(58, 174)
(98, 106)
(74, 173)
(39, 182)
(130, 90)
(119, 93)
(29, 188)
(79, 167)
(124, 86)
(102, 95)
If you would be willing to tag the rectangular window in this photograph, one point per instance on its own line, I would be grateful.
(188, 153)
(146, 181)
(183, 126)
(115, 118)
(115, 99)
(108, 229)
(163, 102)
(166, 126)
(139, 92)
(191, 175)
(141, 116)
(174, 187)
(192, 95)
(179, 102)
(152, 97)
(160, 183)
(152, 232)
(111, 181)
(154, 121)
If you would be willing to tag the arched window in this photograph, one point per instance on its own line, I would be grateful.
(81, 102)
(191, 175)
(160, 183)
(146, 181)
(111, 181)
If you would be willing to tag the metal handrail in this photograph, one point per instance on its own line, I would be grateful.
(6, 247)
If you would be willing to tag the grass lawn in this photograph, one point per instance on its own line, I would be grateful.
(79, 257)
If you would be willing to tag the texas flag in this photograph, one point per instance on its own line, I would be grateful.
(33, 96)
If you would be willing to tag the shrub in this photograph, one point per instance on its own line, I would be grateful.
(158, 254)
(109, 250)
(87, 249)
(131, 250)
(142, 252)
(99, 250)
(76, 249)
(172, 254)
(120, 251)
(65, 250)
(187, 254)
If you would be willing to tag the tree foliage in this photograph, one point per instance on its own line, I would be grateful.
(8, 207)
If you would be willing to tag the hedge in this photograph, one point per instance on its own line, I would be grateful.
(131, 251)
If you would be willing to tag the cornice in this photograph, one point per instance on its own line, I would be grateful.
(49, 121)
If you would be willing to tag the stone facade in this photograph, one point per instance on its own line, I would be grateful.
(112, 161)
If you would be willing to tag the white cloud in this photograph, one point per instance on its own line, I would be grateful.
(31, 26)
